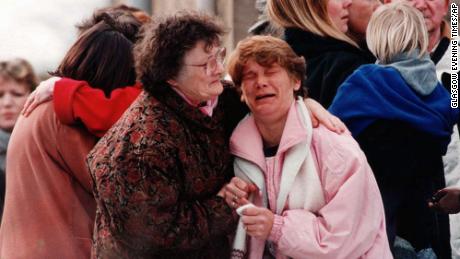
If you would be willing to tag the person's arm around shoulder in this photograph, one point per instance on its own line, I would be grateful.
(90, 105)
(235, 109)
(43, 93)
(77, 101)
(319, 115)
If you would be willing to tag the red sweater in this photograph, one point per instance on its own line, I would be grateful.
(77, 101)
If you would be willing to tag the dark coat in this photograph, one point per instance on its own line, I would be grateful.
(408, 167)
(329, 62)
(156, 174)
(404, 136)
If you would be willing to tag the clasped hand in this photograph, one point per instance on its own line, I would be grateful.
(257, 221)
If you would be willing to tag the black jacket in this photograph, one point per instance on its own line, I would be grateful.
(329, 62)
(408, 168)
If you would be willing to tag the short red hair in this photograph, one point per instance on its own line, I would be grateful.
(265, 50)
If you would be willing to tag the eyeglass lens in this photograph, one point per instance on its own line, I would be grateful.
(213, 62)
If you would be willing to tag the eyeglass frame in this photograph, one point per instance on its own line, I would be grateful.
(219, 57)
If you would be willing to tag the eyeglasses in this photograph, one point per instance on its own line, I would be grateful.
(212, 62)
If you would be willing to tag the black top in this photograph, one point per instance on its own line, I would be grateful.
(270, 151)
(329, 62)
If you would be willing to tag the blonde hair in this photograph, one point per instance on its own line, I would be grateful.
(396, 28)
(308, 15)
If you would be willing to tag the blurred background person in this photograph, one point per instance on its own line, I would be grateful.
(317, 30)
(434, 12)
(263, 26)
(318, 197)
(360, 12)
(17, 81)
(49, 206)
(403, 123)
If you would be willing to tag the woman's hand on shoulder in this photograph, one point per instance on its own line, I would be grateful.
(43, 93)
(319, 115)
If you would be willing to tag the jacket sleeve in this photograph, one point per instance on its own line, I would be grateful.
(77, 101)
(351, 222)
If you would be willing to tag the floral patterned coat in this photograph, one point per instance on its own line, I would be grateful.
(155, 177)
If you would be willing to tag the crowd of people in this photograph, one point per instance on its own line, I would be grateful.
(327, 142)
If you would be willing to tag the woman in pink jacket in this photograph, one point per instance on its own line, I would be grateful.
(317, 196)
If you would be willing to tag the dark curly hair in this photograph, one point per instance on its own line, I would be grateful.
(159, 55)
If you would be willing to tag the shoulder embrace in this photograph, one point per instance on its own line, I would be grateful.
(336, 151)
(43, 118)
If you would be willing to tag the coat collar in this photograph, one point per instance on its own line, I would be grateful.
(294, 148)
(313, 45)
(246, 141)
(193, 115)
(418, 72)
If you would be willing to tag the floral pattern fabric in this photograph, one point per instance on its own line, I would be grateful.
(155, 177)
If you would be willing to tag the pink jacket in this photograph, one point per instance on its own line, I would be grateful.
(319, 185)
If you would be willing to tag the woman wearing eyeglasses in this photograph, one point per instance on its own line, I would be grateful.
(17, 81)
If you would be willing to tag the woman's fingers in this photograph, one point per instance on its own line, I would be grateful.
(29, 105)
(314, 120)
(258, 221)
(243, 201)
(319, 115)
(240, 188)
(236, 192)
(338, 124)
(30, 108)
(43, 93)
